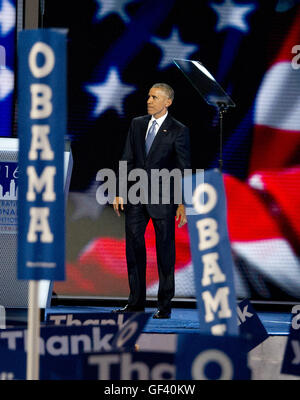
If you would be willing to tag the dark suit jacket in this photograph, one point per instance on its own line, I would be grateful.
(170, 149)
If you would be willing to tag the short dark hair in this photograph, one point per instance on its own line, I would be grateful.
(166, 88)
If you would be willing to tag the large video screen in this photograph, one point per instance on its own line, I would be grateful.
(7, 65)
(116, 51)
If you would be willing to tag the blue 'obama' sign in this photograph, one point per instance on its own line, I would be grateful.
(211, 254)
(41, 131)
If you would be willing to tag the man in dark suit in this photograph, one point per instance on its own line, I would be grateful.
(156, 141)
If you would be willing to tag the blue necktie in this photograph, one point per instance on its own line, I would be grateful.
(150, 137)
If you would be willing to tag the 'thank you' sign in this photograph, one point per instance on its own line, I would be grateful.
(41, 130)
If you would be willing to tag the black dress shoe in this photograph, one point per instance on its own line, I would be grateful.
(127, 308)
(162, 315)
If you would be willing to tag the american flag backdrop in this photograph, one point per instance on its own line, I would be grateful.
(7, 65)
(117, 50)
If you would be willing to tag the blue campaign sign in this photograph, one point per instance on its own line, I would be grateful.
(128, 366)
(42, 117)
(63, 340)
(61, 346)
(291, 359)
(98, 337)
(12, 364)
(250, 325)
(208, 357)
(87, 318)
(211, 253)
(111, 365)
(129, 325)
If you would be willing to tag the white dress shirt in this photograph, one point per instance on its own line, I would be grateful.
(159, 122)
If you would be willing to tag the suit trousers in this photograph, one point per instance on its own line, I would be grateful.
(136, 221)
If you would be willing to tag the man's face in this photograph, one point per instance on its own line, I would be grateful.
(158, 102)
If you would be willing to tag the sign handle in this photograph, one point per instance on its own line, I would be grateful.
(33, 333)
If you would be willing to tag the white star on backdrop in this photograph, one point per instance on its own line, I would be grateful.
(7, 17)
(173, 47)
(107, 7)
(110, 94)
(232, 15)
(6, 82)
(85, 204)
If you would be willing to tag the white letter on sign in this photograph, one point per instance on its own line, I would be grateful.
(208, 235)
(49, 60)
(129, 368)
(211, 267)
(212, 304)
(243, 314)
(215, 356)
(198, 198)
(39, 223)
(40, 141)
(103, 364)
(38, 183)
(41, 106)
(296, 318)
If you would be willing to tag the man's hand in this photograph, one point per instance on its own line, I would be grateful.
(180, 213)
(118, 201)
